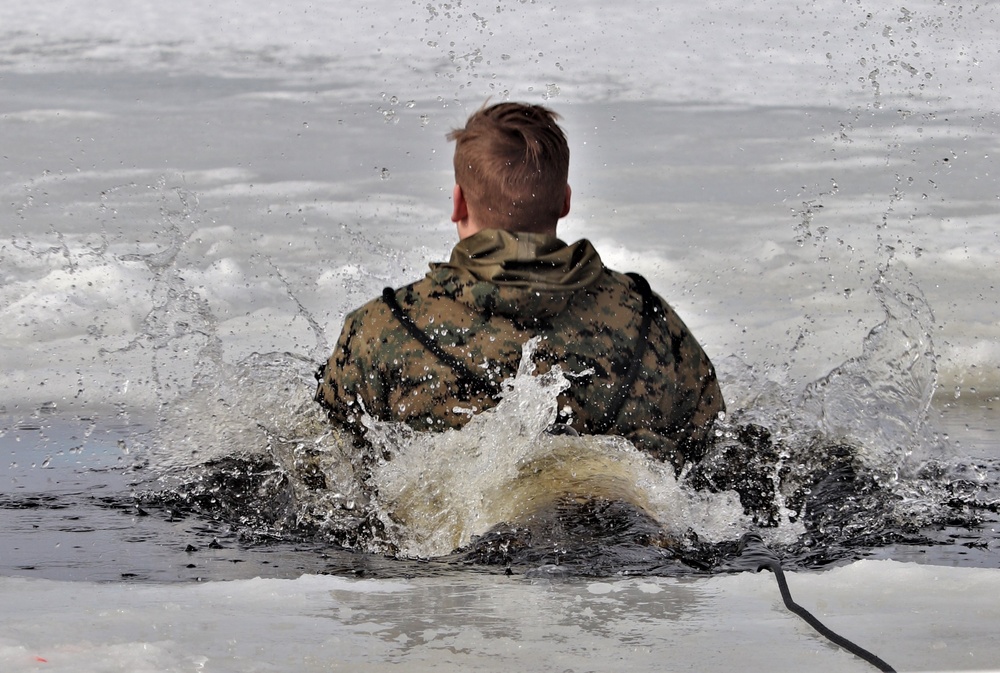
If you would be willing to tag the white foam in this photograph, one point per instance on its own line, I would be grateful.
(441, 489)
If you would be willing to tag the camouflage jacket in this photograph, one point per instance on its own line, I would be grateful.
(477, 310)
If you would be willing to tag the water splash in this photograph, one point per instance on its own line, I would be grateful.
(839, 468)
(438, 491)
(879, 400)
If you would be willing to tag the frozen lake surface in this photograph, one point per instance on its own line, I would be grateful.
(193, 195)
(917, 618)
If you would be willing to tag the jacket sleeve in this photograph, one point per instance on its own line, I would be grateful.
(687, 393)
(347, 382)
(693, 432)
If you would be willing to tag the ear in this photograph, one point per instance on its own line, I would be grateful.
(565, 208)
(460, 209)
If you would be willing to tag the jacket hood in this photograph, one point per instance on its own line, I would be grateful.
(521, 275)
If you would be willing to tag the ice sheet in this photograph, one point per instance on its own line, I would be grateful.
(917, 618)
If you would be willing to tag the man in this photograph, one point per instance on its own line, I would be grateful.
(429, 353)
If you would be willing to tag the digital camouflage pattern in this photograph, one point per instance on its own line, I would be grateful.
(498, 290)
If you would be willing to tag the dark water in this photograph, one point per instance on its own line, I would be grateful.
(77, 503)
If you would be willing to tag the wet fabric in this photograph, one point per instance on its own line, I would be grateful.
(498, 290)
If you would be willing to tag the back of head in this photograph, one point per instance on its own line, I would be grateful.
(512, 163)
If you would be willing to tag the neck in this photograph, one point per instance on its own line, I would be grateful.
(468, 228)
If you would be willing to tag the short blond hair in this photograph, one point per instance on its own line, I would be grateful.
(512, 163)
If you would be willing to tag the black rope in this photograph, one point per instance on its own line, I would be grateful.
(465, 376)
(752, 549)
